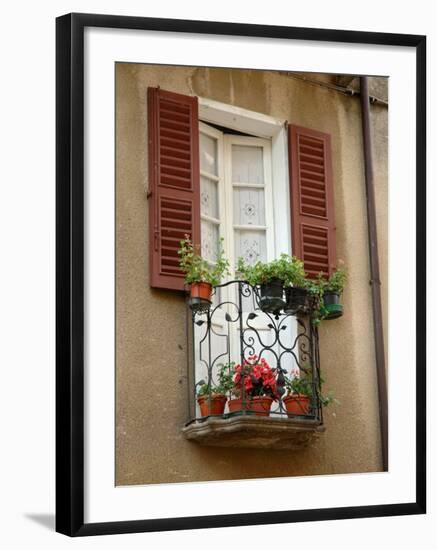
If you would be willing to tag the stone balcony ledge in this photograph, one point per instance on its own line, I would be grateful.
(254, 432)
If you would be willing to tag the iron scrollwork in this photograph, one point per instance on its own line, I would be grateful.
(236, 328)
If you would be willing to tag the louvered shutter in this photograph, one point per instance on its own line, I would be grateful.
(312, 199)
(174, 189)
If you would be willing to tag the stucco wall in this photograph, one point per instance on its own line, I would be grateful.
(151, 340)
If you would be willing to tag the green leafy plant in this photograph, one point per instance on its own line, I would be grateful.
(299, 385)
(303, 385)
(196, 268)
(225, 383)
(336, 281)
(320, 286)
(316, 287)
(286, 268)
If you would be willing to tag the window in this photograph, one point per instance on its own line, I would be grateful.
(236, 195)
(235, 186)
(265, 192)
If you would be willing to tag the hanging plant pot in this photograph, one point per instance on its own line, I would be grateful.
(331, 304)
(259, 405)
(296, 300)
(271, 299)
(297, 404)
(214, 407)
(200, 296)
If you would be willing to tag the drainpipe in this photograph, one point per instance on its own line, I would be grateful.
(375, 281)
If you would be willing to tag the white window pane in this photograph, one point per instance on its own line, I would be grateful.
(208, 154)
(210, 240)
(249, 206)
(208, 197)
(251, 245)
(247, 164)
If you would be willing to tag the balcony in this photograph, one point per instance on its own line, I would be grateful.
(242, 339)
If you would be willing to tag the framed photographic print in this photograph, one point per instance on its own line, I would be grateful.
(240, 274)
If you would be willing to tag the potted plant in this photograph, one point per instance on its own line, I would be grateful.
(296, 293)
(270, 277)
(326, 294)
(300, 393)
(332, 291)
(212, 397)
(254, 387)
(199, 274)
(211, 400)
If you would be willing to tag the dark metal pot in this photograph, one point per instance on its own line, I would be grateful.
(271, 296)
(296, 300)
(332, 306)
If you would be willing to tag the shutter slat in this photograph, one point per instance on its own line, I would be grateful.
(172, 169)
(174, 197)
(173, 106)
(312, 205)
(171, 152)
(312, 176)
(311, 184)
(312, 167)
(310, 150)
(172, 161)
(178, 144)
(174, 181)
(311, 159)
(170, 122)
(172, 133)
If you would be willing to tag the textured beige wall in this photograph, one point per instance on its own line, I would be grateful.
(151, 383)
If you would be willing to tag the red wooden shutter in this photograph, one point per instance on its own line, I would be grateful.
(174, 188)
(312, 199)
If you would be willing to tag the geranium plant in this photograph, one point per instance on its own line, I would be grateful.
(257, 378)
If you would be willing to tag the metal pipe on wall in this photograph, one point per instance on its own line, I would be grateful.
(375, 281)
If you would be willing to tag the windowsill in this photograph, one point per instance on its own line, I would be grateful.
(255, 432)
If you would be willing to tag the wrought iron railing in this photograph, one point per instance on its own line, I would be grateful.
(237, 326)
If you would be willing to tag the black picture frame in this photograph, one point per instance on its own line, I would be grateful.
(70, 273)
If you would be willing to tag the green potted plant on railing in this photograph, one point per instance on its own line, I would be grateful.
(296, 293)
(270, 277)
(199, 274)
(326, 293)
(332, 292)
(212, 397)
(254, 387)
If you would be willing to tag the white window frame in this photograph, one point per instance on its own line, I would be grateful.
(219, 178)
(229, 141)
(264, 126)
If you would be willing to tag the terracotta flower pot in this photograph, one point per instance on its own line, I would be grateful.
(200, 296)
(217, 407)
(260, 405)
(201, 290)
(297, 404)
